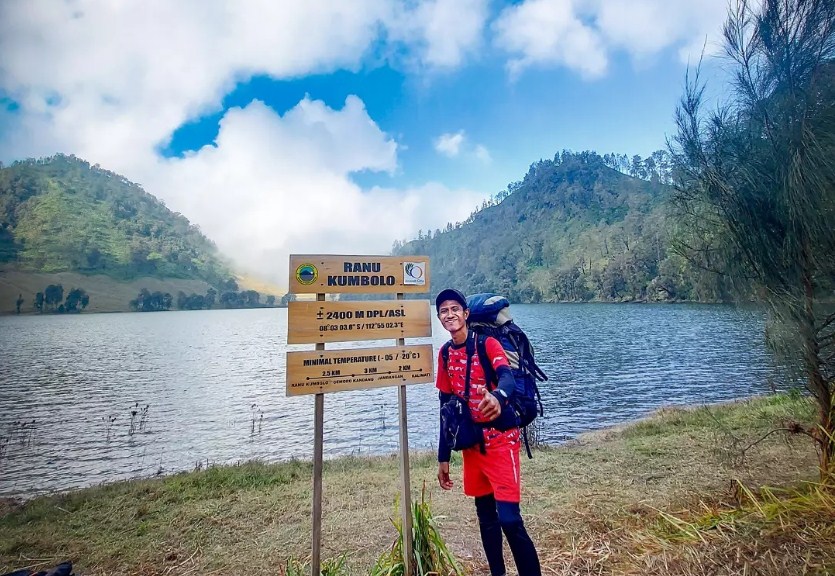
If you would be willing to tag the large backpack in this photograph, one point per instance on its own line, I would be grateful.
(490, 316)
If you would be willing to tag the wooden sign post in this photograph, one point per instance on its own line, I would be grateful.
(319, 371)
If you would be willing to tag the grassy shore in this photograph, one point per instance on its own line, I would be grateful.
(678, 493)
(106, 294)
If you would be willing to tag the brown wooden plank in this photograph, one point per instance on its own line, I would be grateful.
(321, 371)
(311, 322)
(335, 274)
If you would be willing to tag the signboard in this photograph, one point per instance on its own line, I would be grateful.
(321, 274)
(311, 322)
(320, 371)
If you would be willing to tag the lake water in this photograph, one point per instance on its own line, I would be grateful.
(209, 386)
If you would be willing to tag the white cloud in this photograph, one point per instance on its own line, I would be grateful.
(421, 207)
(453, 145)
(450, 144)
(482, 154)
(112, 81)
(582, 34)
(549, 33)
(644, 27)
(274, 185)
(441, 32)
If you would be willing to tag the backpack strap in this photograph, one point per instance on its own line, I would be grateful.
(470, 352)
(527, 444)
(486, 365)
(445, 354)
(471, 344)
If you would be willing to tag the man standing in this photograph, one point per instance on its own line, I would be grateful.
(491, 472)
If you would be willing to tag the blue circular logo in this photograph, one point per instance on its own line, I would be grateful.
(307, 274)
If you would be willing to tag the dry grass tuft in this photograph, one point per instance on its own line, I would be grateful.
(770, 532)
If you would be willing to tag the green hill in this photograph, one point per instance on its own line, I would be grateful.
(574, 229)
(60, 214)
(65, 222)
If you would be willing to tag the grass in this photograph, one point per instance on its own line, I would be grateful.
(430, 553)
(106, 294)
(768, 531)
(681, 492)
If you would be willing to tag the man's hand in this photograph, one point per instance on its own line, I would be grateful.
(489, 405)
(443, 475)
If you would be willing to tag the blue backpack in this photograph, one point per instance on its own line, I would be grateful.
(489, 316)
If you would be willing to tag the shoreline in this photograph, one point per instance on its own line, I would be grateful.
(601, 490)
(596, 435)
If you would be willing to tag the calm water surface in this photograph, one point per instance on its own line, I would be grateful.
(209, 386)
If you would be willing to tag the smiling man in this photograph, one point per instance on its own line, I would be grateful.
(491, 468)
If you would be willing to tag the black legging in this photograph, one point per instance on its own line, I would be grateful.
(495, 517)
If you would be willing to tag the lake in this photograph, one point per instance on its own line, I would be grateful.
(86, 399)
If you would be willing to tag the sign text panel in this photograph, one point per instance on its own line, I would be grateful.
(321, 371)
(311, 322)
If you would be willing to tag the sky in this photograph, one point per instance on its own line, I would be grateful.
(336, 127)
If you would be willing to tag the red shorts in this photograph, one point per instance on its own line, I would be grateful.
(496, 472)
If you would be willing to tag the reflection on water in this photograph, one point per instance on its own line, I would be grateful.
(87, 399)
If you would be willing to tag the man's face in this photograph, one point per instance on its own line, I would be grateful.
(452, 315)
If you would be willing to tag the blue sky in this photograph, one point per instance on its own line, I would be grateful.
(374, 119)
(630, 111)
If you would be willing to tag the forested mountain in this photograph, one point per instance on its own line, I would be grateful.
(574, 229)
(60, 214)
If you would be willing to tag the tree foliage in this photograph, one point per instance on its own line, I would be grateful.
(147, 301)
(576, 228)
(228, 299)
(52, 300)
(53, 295)
(756, 188)
(77, 300)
